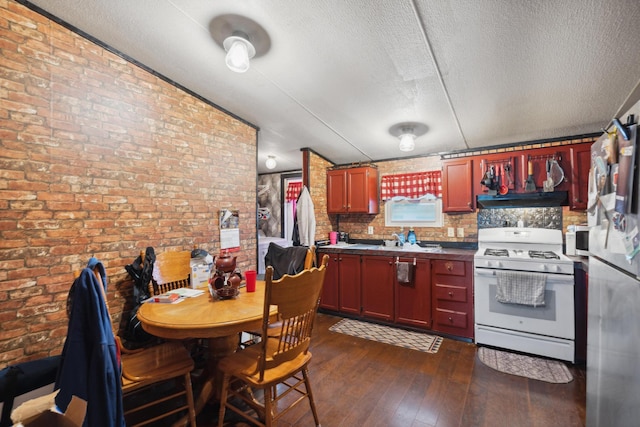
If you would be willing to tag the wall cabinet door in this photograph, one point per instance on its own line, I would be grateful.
(330, 297)
(349, 287)
(580, 165)
(413, 300)
(377, 287)
(457, 189)
(336, 191)
(353, 190)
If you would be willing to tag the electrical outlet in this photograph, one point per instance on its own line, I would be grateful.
(460, 232)
(450, 232)
(370, 229)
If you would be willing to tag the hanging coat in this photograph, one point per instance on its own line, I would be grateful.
(90, 365)
(306, 218)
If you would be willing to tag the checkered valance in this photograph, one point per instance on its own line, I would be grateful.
(293, 191)
(411, 185)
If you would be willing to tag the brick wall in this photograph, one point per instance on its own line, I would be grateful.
(99, 157)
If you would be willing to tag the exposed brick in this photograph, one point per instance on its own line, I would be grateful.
(101, 158)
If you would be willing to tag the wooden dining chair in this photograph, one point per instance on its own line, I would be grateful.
(171, 271)
(253, 337)
(149, 367)
(277, 366)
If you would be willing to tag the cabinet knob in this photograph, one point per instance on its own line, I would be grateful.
(450, 320)
(450, 294)
(449, 266)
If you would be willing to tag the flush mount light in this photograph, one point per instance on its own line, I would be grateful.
(271, 162)
(239, 52)
(408, 132)
(242, 39)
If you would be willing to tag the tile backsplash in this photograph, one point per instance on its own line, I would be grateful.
(530, 217)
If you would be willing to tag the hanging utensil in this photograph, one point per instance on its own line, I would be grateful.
(557, 173)
(548, 183)
(530, 185)
(503, 189)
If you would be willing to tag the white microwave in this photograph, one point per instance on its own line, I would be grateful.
(577, 240)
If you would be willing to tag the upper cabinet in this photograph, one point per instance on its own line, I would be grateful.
(580, 165)
(457, 191)
(352, 190)
(564, 167)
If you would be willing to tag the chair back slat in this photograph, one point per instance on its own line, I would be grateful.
(297, 298)
(170, 271)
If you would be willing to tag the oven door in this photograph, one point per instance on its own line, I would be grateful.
(554, 319)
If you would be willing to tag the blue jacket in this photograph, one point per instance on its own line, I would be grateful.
(90, 367)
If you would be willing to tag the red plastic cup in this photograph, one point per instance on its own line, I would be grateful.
(333, 237)
(250, 278)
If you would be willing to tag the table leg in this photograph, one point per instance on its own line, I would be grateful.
(212, 387)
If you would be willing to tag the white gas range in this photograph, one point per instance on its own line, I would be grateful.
(513, 261)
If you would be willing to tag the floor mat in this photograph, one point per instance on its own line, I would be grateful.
(551, 371)
(388, 335)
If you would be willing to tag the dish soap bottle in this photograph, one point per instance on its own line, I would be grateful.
(411, 237)
(401, 236)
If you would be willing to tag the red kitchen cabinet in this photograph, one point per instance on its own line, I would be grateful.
(579, 177)
(330, 297)
(349, 283)
(452, 286)
(377, 287)
(413, 300)
(352, 190)
(457, 188)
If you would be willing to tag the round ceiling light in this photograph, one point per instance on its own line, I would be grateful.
(271, 162)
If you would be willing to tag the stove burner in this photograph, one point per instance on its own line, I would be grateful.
(496, 252)
(543, 255)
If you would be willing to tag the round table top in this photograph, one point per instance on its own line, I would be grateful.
(204, 316)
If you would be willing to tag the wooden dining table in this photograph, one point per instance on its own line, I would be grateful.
(219, 321)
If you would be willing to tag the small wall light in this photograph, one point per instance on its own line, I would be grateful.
(408, 132)
(271, 162)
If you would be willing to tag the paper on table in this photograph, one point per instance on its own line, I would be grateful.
(186, 292)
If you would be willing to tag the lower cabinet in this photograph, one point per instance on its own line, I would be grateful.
(439, 297)
(377, 276)
(452, 284)
(413, 300)
(341, 289)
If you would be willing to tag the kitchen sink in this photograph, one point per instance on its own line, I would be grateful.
(406, 248)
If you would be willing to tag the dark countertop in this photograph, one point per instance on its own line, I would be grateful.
(454, 254)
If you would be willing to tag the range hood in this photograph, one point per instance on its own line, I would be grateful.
(524, 200)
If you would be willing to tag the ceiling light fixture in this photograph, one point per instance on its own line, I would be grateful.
(239, 52)
(271, 162)
(242, 39)
(408, 132)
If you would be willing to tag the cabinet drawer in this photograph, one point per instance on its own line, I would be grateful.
(452, 268)
(451, 293)
(453, 319)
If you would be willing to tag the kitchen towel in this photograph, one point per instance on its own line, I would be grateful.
(517, 287)
(404, 272)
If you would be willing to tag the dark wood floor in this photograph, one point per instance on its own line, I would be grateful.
(363, 383)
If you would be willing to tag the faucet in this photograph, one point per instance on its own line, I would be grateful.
(400, 241)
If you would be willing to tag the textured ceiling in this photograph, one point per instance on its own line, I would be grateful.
(339, 74)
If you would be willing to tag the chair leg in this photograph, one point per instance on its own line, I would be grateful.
(223, 399)
(189, 390)
(268, 406)
(307, 384)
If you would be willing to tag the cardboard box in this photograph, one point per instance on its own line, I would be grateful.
(73, 417)
(200, 273)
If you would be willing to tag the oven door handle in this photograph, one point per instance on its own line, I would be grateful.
(484, 272)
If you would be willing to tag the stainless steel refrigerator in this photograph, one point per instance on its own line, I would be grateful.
(613, 323)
